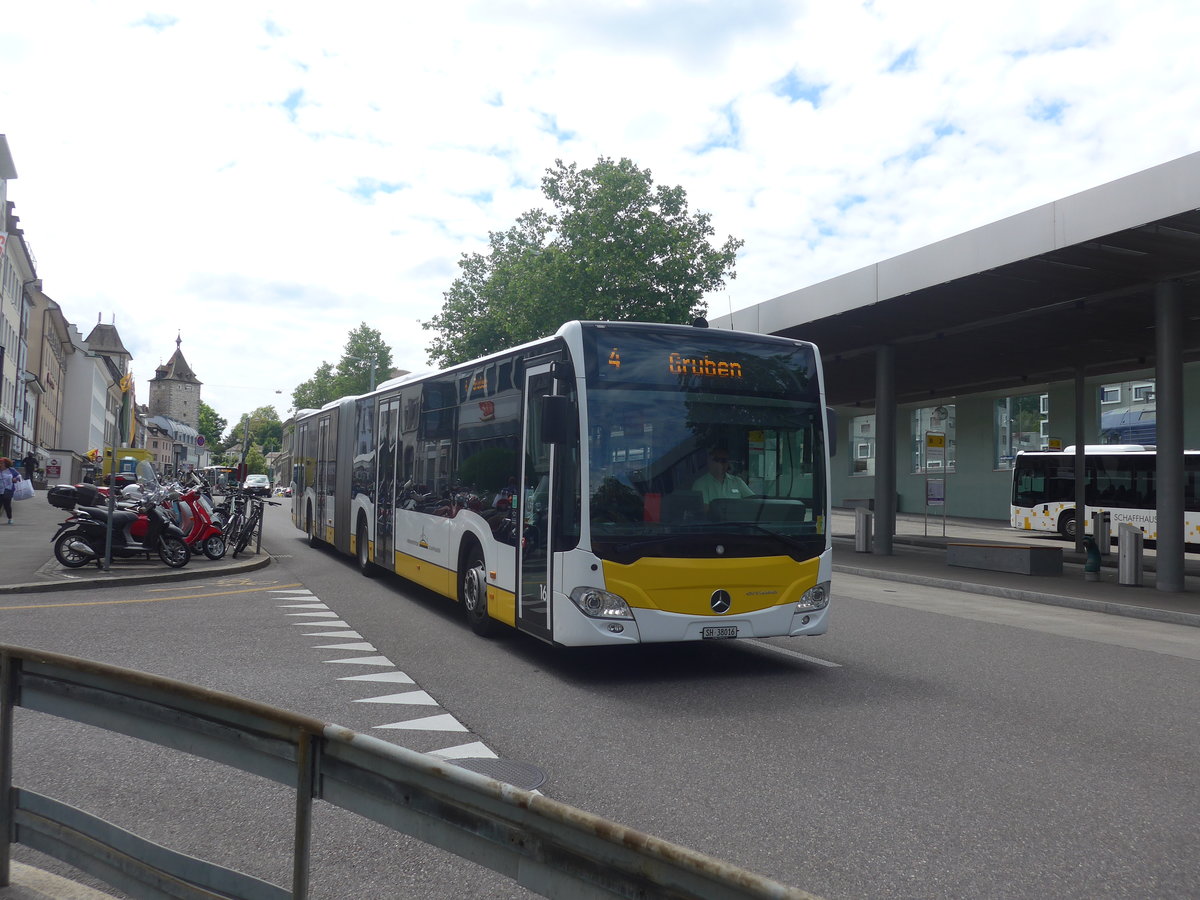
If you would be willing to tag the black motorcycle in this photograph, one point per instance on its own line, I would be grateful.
(146, 529)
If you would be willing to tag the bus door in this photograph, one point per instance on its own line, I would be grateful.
(385, 494)
(534, 575)
(323, 482)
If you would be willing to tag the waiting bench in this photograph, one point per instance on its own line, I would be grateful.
(1018, 558)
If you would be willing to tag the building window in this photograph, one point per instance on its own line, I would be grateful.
(933, 454)
(1110, 393)
(1019, 423)
(862, 432)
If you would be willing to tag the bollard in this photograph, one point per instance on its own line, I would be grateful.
(862, 530)
(1102, 530)
(1129, 555)
(1091, 566)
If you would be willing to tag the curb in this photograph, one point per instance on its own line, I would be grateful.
(101, 579)
(1101, 606)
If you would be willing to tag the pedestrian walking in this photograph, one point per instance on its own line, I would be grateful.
(29, 464)
(8, 480)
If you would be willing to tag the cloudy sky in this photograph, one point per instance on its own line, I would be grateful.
(261, 178)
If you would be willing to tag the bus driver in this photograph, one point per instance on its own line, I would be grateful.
(718, 483)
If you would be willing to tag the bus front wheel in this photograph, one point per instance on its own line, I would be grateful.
(472, 591)
(1066, 525)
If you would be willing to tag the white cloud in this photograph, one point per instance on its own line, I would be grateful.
(263, 177)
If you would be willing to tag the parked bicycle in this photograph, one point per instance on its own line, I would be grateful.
(252, 526)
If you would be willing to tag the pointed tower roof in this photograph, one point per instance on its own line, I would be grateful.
(176, 368)
(104, 339)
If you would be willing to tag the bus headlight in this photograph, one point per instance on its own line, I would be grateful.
(600, 604)
(816, 597)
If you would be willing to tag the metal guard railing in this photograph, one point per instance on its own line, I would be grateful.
(546, 846)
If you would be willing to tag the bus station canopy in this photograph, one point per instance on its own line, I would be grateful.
(1013, 305)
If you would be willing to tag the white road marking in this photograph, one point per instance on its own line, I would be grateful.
(364, 661)
(419, 698)
(444, 722)
(345, 634)
(474, 750)
(338, 624)
(380, 676)
(816, 660)
(362, 645)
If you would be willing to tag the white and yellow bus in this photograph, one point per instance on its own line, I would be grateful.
(1119, 479)
(560, 487)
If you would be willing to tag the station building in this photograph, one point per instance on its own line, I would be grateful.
(1025, 333)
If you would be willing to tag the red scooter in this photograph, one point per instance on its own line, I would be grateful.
(195, 514)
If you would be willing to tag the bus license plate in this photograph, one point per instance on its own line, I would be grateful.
(717, 632)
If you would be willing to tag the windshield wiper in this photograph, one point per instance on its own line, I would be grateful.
(790, 543)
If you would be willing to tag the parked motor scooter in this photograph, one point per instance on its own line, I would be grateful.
(196, 519)
(151, 529)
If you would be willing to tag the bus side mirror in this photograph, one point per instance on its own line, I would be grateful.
(558, 420)
(831, 423)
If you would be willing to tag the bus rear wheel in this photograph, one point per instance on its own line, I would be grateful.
(362, 550)
(472, 591)
(311, 528)
(1066, 525)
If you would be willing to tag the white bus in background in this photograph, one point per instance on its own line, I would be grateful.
(1120, 479)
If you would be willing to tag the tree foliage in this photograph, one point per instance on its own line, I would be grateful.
(317, 391)
(211, 425)
(264, 429)
(351, 375)
(614, 247)
(364, 346)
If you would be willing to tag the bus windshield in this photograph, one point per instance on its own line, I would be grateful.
(697, 442)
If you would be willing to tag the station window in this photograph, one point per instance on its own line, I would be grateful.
(933, 455)
(862, 435)
(1019, 423)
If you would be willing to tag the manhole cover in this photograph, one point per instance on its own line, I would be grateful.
(518, 774)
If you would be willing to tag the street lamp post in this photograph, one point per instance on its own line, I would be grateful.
(371, 361)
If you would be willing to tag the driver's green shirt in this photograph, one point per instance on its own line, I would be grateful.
(732, 488)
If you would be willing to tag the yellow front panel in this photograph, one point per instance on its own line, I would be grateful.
(686, 585)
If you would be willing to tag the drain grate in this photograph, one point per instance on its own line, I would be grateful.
(518, 774)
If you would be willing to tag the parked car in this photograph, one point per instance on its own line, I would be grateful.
(257, 485)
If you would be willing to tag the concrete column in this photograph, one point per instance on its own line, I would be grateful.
(1168, 390)
(1080, 461)
(885, 449)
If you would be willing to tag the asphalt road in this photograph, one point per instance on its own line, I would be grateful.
(934, 744)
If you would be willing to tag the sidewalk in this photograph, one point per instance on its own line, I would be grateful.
(30, 566)
(919, 557)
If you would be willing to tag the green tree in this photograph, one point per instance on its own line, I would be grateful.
(317, 391)
(212, 426)
(364, 346)
(352, 374)
(256, 462)
(262, 427)
(615, 247)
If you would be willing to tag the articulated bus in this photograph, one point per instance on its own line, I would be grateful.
(614, 483)
(1119, 479)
